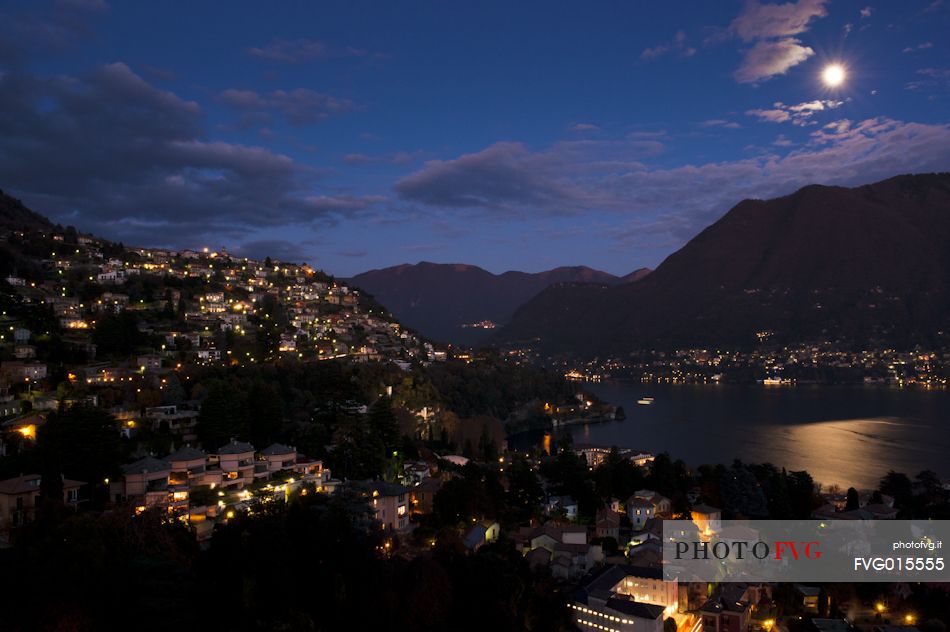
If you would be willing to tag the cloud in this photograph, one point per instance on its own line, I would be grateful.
(771, 27)
(112, 153)
(770, 58)
(299, 107)
(301, 50)
(584, 127)
(507, 180)
(677, 45)
(720, 123)
(501, 175)
(765, 21)
(799, 114)
(866, 12)
(356, 254)
(932, 78)
(924, 46)
(30, 30)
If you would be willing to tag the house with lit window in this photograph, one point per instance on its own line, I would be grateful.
(639, 510)
(23, 428)
(422, 496)
(146, 483)
(279, 457)
(569, 553)
(189, 466)
(236, 461)
(388, 504)
(18, 498)
(481, 533)
(662, 506)
(561, 504)
(603, 602)
(707, 519)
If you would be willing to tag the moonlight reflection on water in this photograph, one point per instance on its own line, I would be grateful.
(841, 435)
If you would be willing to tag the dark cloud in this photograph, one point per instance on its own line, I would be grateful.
(504, 177)
(569, 178)
(31, 30)
(299, 107)
(110, 152)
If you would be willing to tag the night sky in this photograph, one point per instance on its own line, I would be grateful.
(511, 135)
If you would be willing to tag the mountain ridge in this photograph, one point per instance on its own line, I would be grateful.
(440, 299)
(868, 262)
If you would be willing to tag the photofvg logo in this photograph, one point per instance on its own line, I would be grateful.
(804, 550)
(741, 549)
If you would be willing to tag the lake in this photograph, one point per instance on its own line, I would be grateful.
(848, 435)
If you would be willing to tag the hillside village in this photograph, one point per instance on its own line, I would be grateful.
(204, 394)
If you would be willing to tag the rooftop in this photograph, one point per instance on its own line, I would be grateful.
(276, 449)
(147, 465)
(236, 447)
(186, 453)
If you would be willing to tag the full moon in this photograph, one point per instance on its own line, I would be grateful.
(833, 75)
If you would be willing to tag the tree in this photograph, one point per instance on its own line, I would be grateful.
(898, 486)
(524, 490)
(801, 494)
(383, 423)
(222, 415)
(265, 413)
(742, 494)
(82, 443)
(853, 501)
(172, 391)
(487, 448)
(117, 334)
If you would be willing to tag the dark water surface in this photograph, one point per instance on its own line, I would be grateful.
(849, 435)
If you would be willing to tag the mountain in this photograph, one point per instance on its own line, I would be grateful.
(15, 216)
(438, 300)
(636, 275)
(870, 262)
